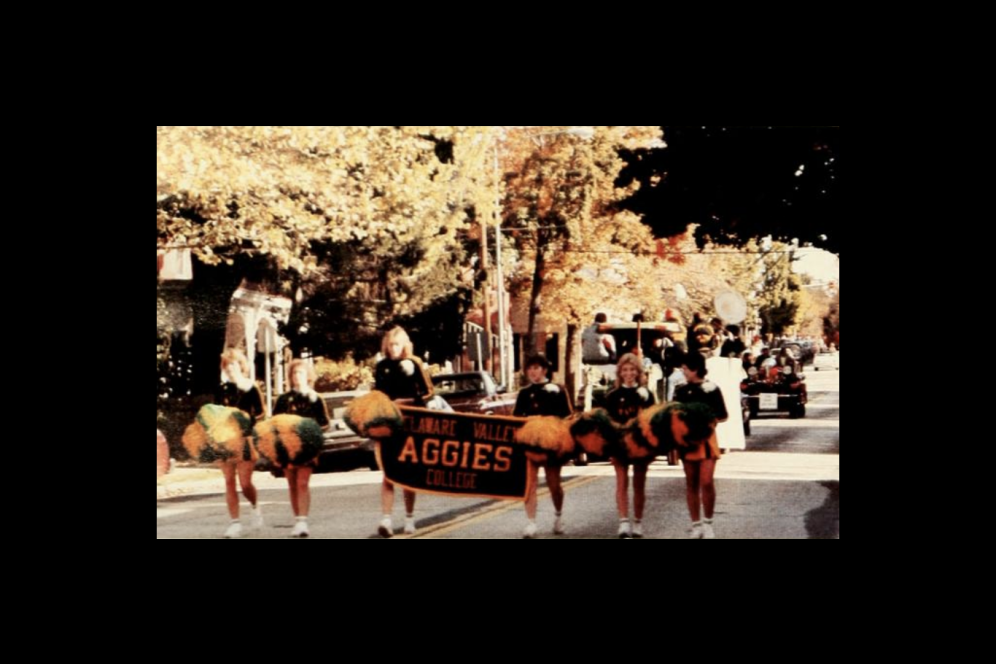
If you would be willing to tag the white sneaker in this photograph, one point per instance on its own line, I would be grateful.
(409, 525)
(638, 530)
(300, 529)
(385, 528)
(696, 531)
(707, 531)
(256, 520)
(530, 531)
(558, 526)
(234, 530)
(624, 531)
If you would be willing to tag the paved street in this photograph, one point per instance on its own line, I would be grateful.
(785, 486)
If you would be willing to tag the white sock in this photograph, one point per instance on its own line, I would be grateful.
(708, 520)
(386, 516)
(624, 519)
(410, 516)
(637, 520)
(301, 518)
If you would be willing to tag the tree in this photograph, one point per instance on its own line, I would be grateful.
(369, 222)
(780, 294)
(739, 183)
(560, 206)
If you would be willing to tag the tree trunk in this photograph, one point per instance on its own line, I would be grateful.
(572, 363)
(535, 297)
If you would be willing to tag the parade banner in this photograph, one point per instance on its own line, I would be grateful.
(456, 454)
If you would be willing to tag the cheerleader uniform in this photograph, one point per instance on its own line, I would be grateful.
(249, 402)
(706, 393)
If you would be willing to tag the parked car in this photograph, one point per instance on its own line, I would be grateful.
(474, 392)
(342, 449)
(775, 389)
(826, 360)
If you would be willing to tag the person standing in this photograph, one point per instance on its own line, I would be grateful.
(699, 460)
(623, 403)
(400, 375)
(238, 390)
(543, 398)
(303, 401)
(597, 347)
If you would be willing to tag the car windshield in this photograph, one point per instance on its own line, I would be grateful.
(337, 406)
(459, 385)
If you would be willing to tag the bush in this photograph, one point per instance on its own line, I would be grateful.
(342, 375)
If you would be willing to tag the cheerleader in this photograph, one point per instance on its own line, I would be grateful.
(303, 401)
(623, 403)
(700, 460)
(239, 391)
(543, 398)
(400, 375)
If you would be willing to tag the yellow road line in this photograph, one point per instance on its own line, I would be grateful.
(493, 511)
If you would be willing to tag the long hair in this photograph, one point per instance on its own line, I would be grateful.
(235, 355)
(397, 333)
(633, 360)
(300, 363)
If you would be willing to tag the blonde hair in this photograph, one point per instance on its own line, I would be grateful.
(633, 360)
(398, 333)
(292, 367)
(235, 355)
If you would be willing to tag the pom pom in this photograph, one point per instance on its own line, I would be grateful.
(219, 434)
(289, 439)
(595, 432)
(551, 434)
(682, 424)
(374, 415)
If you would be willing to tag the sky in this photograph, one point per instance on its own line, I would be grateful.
(819, 264)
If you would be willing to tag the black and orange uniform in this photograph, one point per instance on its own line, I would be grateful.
(391, 378)
(543, 399)
(249, 402)
(624, 403)
(706, 393)
(295, 403)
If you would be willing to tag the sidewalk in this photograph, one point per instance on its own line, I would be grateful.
(200, 479)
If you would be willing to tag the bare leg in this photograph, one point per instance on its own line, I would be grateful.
(245, 479)
(409, 501)
(291, 473)
(553, 483)
(639, 489)
(708, 486)
(622, 488)
(231, 491)
(386, 497)
(533, 480)
(692, 488)
(303, 491)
